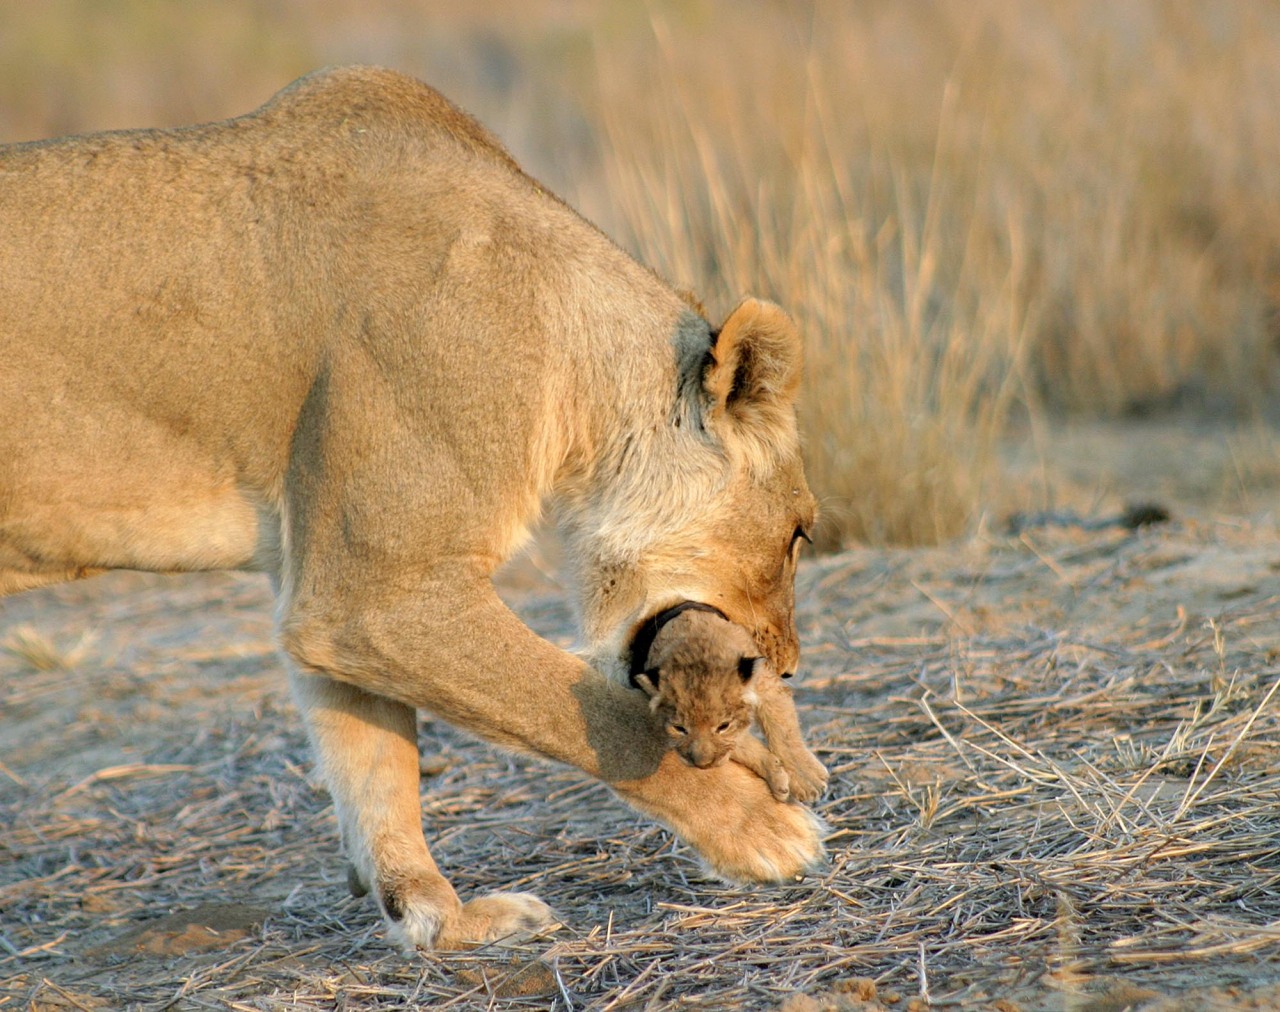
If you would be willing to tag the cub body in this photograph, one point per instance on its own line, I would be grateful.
(707, 685)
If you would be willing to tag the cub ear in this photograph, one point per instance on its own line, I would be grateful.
(755, 367)
(647, 681)
(747, 667)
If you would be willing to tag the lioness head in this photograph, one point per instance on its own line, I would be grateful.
(705, 499)
(700, 678)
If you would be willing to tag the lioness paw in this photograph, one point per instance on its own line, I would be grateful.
(784, 845)
(756, 838)
(495, 917)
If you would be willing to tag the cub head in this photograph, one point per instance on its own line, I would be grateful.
(704, 496)
(700, 681)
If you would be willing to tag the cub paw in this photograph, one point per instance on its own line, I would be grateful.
(808, 777)
(778, 780)
(494, 917)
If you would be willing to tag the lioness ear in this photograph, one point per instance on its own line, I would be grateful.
(755, 367)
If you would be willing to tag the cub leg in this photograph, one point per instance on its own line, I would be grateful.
(751, 753)
(367, 750)
(776, 714)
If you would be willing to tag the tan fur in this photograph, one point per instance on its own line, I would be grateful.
(345, 340)
(697, 690)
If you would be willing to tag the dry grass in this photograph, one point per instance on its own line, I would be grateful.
(976, 211)
(29, 647)
(32, 650)
(914, 316)
(1055, 773)
(970, 208)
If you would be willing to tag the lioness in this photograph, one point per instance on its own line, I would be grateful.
(346, 341)
(707, 685)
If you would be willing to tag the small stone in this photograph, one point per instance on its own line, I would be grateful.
(862, 988)
(100, 903)
(532, 979)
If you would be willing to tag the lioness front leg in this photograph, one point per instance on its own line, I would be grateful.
(776, 714)
(469, 660)
(368, 754)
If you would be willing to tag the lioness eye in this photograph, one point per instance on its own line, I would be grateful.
(723, 727)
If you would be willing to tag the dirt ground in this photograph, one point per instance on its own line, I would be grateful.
(1055, 785)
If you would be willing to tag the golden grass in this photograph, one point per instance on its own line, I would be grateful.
(38, 652)
(970, 209)
(977, 212)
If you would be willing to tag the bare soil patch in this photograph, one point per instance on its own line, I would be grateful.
(1055, 785)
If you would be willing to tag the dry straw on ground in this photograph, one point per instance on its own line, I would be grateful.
(1055, 777)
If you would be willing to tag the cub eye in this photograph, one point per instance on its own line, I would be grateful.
(678, 728)
(722, 728)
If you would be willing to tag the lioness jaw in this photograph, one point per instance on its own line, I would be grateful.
(345, 341)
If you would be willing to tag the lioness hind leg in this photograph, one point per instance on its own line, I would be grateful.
(367, 749)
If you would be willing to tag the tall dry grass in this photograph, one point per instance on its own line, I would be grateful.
(974, 211)
(979, 212)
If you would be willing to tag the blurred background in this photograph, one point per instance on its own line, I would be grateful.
(1034, 247)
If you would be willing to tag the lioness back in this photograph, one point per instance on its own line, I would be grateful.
(173, 301)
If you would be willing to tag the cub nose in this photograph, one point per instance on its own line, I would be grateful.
(701, 755)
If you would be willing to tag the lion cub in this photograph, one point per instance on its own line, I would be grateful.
(706, 682)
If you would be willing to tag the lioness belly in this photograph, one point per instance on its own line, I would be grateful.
(164, 526)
